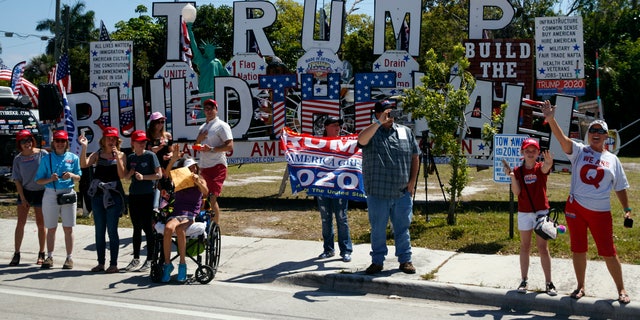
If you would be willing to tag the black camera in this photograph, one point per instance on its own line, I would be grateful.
(395, 113)
(628, 223)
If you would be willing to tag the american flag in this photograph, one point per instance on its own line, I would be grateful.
(16, 76)
(185, 45)
(26, 88)
(104, 34)
(61, 75)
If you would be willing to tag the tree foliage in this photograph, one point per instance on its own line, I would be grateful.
(441, 100)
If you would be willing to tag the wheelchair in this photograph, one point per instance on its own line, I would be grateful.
(203, 245)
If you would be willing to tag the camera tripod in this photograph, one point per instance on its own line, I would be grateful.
(429, 168)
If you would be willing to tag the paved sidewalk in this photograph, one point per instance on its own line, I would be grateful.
(457, 277)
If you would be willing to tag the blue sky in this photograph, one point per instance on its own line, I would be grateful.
(21, 17)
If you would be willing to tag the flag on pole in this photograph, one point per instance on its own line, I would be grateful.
(185, 44)
(104, 34)
(70, 125)
(16, 77)
(61, 75)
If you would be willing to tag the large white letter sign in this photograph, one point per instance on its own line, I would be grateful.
(241, 87)
(242, 24)
(477, 23)
(335, 28)
(397, 11)
(173, 11)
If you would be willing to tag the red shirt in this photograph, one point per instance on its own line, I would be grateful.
(536, 182)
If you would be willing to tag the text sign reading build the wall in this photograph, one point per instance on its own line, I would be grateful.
(111, 64)
(506, 147)
(559, 56)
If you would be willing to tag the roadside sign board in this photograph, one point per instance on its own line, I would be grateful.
(559, 55)
(506, 147)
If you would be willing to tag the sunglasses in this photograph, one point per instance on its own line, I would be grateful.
(162, 121)
(25, 141)
(208, 108)
(597, 130)
(60, 140)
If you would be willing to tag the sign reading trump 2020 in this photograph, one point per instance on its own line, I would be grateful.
(324, 166)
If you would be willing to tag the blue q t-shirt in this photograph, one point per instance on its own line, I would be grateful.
(145, 164)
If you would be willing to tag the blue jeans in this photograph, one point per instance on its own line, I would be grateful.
(400, 210)
(106, 221)
(328, 208)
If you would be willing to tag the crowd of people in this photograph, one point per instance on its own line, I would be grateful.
(47, 180)
(390, 164)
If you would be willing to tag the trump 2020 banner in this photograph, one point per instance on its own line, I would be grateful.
(324, 166)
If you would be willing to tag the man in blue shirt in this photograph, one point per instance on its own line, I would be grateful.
(390, 162)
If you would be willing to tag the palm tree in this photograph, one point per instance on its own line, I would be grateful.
(77, 26)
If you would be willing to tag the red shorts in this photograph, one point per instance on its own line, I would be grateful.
(600, 223)
(214, 176)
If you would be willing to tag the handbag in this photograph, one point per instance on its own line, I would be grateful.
(67, 198)
(63, 198)
(546, 226)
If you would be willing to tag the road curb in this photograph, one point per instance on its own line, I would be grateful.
(506, 299)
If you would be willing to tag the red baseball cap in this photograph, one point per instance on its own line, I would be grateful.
(60, 135)
(110, 132)
(530, 142)
(210, 102)
(139, 135)
(23, 134)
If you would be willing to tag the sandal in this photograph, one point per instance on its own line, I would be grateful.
(40, 258)
(98, 268)
(623, 298)
(577, 294)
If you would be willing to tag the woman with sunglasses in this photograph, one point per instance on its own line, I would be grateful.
(160, 141)
(595, 173)
(58, 172)
(30, 193)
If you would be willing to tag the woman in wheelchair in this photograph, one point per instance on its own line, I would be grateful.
(187, 204)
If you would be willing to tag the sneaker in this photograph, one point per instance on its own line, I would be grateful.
(68, 264)
(522, 288)
(166, 272)
(132, 265)
(551, 289)
(182, 272)
(346, 257)
(145, 266)
(326, 254)
(40, 258)
(374, 268)
(407, 267)
(15, 260)
(48, 263)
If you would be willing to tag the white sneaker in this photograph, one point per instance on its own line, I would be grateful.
(145, 266)
(132, 265)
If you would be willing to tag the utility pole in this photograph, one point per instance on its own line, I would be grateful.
(56, 40)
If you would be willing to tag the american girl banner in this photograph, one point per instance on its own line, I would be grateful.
(324, 166)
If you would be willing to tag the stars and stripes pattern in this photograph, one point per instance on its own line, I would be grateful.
(26, 88)
(70, 125)
(313, 104)
(16, 75)
(104, 34)
(278, 84)
(60, 74)
(364, 83)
